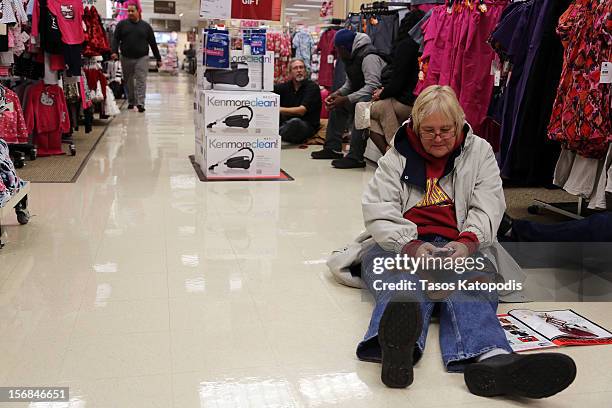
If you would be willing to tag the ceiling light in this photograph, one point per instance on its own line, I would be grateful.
(308, 5)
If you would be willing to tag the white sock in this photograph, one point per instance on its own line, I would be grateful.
(491, 353)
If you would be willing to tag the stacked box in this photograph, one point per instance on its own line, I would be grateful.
(236, 117)
(237, 134)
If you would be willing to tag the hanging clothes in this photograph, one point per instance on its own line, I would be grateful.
(456, 53)
(328, 56)
(97, 43)
(382, 30)
(12, 11)
(13, 128)
(303, 44)
(280, 44)
(581, 117)
(525, 38)
(588, 178)
(69, 15)
(47, 116)
(96, 80)
(46, 26)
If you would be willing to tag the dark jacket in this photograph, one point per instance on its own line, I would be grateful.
(134, 39)
(365, 67)
(400, 77)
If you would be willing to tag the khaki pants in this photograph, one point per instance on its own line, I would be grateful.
(386, 115)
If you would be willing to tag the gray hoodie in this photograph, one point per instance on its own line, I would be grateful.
(372, 67)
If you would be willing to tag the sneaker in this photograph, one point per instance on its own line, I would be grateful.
(348, 163)
(141, 108)
(531, 376)
(398, 331)
(326, 154)
(130, 107)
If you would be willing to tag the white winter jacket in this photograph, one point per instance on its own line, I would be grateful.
(471, 180)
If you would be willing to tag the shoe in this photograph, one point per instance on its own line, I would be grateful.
(505, 225)
(348, 163)
(130, 107)
(531, 376)
(326, 154)
(399, 329)
(141, 108)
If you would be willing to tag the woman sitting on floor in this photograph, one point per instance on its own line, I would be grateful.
(438, 194)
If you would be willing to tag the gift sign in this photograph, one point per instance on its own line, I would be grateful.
(256, 9)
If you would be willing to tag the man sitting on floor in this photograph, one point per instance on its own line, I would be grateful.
(363, 65)
(300, 101)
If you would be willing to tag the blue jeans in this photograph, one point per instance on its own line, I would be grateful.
(468, 321)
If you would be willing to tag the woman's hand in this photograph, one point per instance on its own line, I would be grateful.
(460, 250)
(425, 250)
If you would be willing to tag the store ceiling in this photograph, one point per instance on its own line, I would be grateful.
(304, 12)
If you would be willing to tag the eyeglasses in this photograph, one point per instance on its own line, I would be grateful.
(444, 133)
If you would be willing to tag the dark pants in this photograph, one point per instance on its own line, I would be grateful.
(339, 120)
(295, 130)
(595, 228)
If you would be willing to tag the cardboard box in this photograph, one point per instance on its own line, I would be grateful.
(238, 113)
(253, 73)
(241, 156)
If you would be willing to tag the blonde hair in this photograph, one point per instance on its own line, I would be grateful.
(441, 99)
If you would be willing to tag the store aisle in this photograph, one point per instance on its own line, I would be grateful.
(140, 286)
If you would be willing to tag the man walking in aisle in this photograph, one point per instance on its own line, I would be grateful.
(300, 101)
(133, 38)
(363, 65)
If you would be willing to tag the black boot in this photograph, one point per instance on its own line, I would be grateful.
(399, 329)
(529, 375)
(326, 154)
(348, 163)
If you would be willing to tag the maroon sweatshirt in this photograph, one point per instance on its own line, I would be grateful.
(435, 213)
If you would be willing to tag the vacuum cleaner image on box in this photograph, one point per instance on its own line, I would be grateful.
(238, 113)
(236, 121)
(228, 156)
(236, 162)
(237, 75)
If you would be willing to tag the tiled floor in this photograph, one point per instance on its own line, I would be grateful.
(140, 286)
